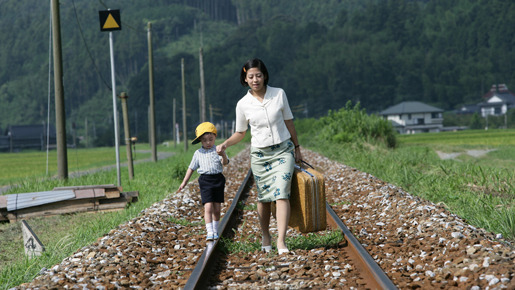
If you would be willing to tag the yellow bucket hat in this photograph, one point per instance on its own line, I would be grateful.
(206, 127)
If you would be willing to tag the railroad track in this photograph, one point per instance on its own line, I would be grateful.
(365, 274)
(418, 244)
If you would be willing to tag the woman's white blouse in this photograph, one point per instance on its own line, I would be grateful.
(266, 119)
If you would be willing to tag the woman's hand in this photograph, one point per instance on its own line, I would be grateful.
(235, 138)
(298, 155)
(220, 149)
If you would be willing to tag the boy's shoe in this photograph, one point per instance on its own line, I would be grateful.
(210, 237)
(215, 236)
(266, 249)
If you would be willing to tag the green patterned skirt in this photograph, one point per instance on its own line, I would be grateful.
(273, 170)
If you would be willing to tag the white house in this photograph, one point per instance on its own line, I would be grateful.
(414, 117)
(498, 101)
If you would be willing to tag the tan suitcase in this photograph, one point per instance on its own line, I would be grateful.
(307, 200)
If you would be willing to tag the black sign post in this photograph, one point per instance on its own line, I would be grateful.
(110, 20)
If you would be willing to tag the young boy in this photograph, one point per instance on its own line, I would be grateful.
(211, 180)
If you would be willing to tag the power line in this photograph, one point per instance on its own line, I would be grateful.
(87, 48)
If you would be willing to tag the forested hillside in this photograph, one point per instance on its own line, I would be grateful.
(323, 53)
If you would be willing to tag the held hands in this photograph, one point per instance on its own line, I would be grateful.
(220, 149)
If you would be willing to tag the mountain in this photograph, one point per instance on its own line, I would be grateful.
(323, 53)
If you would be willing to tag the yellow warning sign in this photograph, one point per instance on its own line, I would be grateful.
(109, 20)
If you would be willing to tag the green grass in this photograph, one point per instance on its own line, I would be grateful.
(315, 240)
(251, 242)
(18, 167)
(465, 138)
(63, 235)
(478, 189)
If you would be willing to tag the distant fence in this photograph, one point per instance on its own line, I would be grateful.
(4, 143)
(14, 145)
(21, 137)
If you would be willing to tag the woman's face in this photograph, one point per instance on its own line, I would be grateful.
(255, 79)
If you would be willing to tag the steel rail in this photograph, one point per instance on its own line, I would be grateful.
(199, 277)
(371, 267)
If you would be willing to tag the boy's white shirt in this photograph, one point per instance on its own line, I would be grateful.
(207, 161)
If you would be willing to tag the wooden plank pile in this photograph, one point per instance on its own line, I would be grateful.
(64, 200)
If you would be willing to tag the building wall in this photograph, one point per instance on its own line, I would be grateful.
(416, 119)
(418, 122)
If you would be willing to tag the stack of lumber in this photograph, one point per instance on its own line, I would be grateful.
(64, 200)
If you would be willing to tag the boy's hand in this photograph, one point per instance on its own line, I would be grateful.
(220, 149)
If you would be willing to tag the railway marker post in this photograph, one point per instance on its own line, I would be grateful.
(31, 243)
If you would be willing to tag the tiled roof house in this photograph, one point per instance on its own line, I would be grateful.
(414, 117)
(497, 101)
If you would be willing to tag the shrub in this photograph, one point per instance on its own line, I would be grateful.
(350, 124)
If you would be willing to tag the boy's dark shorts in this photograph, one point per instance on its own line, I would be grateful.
(212, 187)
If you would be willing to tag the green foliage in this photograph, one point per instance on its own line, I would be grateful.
(245, 245)
(249, 243)
(471, 138)
(27, 167)
(63, 235)
(376, 53)
(315, 240)
(478, 189)
(178, 169)
(352, 125)
(476, 122)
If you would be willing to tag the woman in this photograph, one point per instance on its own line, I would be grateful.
(274, 147)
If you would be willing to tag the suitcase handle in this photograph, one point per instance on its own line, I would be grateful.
(309, 165)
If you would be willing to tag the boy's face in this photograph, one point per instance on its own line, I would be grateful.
(208, 140)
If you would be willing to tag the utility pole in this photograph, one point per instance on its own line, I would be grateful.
(202, 88)
(86, 129)
(184, 107)
(60, 117)
(127, 134)
(152, 119)
(200, 105)
(210, 113)
(174, 131)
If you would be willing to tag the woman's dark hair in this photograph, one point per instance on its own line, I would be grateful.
(257, 63)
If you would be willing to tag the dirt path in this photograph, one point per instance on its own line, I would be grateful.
(473, 153)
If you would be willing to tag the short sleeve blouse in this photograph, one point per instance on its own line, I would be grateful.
(266, 119)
